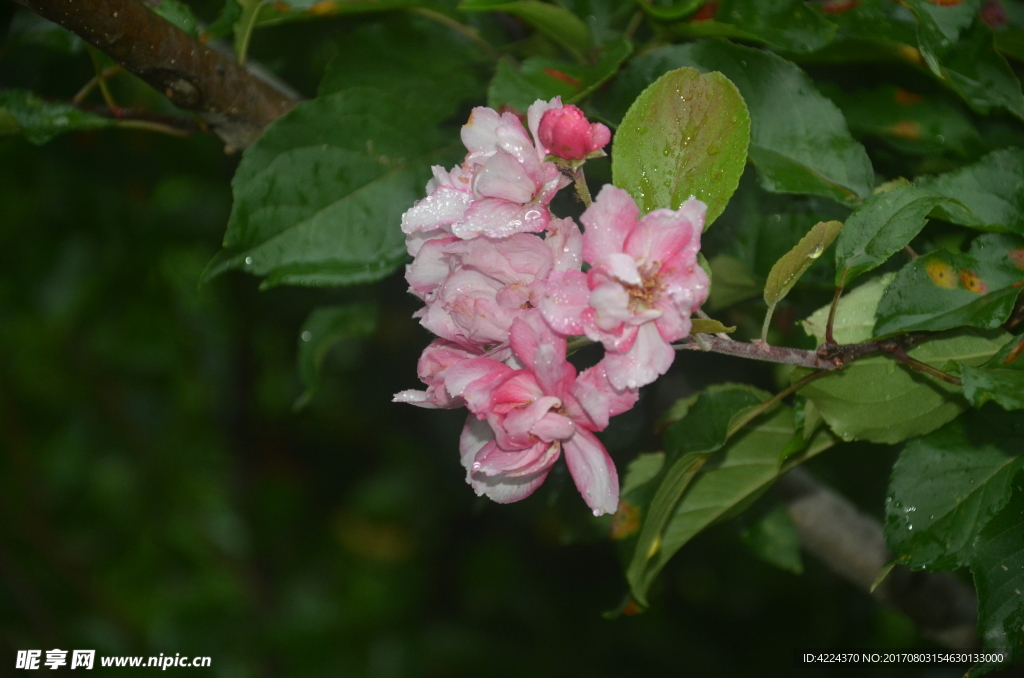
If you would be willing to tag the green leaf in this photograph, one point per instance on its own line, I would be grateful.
(883, 401)
(883, 225)
(882, 22)
(1000, 379)
(177, 13)
(431, 67)
(774, 539)
(322, 330)
(738, 470)
(798, 138)
(28, 28)
(542, 78)
(910, 123)
(319, 197)
(732, 282)
(283, 11)
(787, 24)
(943, 290)
(556, 22)
(40, 121)
(998, 569)
(224, 23)
(855, 314)
(947, 485)
(980, 74)
(939, 26)
(685, 135)
(708, 326)
(671, 11)
(991, 191)
(795, 263)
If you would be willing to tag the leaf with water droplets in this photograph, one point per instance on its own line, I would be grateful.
(788, 269)
(685, 135)
(40, 120)
(319, 197)
(947, 485)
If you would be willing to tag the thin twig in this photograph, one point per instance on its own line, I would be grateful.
(916, 364)
(150, 126)
(756, 350)
(832, 311)
(88, 87)
(243, 50)
(910, 252)
(108, 98)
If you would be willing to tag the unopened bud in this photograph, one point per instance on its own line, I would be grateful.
(565, 133)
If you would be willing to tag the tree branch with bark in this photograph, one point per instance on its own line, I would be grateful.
(235, 104)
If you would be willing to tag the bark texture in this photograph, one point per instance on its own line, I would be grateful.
(232, 101)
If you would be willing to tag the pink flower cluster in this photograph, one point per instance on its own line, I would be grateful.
(504, 287)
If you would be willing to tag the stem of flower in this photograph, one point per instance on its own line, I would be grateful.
(581, 186)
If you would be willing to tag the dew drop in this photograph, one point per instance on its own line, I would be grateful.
(248, 261)
(307, 335)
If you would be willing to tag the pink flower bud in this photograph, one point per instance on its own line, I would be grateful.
(565, 133)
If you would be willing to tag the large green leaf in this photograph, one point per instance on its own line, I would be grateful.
(788, 24)
(319, 198)
(879, 228)
(1001, 379)
(944, 290)
(774, 539)
(556, 22)
(739, 469)
(685, 135)
(41, 121)
(798, 138)
(431, 66)
(323, 328)
(998, 569)
(991, 190)
(543, 78)
(939, 26)
(947, 485)
(883, 401)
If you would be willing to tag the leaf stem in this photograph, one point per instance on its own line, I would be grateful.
(150, 126)
(916, 364)
(459, 27)
(243, 48)
(832, 311)
(88, 87)
(108, 98)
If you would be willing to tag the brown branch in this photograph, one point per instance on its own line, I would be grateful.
(757, 350)
(851, 544)
(233, 102)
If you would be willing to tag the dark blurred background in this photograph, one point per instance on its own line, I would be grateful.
(158, 494)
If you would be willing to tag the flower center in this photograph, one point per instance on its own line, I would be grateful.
(642, 296)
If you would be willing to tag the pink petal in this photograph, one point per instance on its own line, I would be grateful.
(542, 351)
(553, 427)
(593, 471)
(660, 235)
(423, 399)
(607, 222)
(649, 357)
(599, 399)
(430, 267)
(672, 325)
(479, 133)
(496, 218)
(565, 298)
(611, 302)
(518, 423)
(566, 242)
(460, 375)
(623, 267)
(494, 461)
(535, 113)
(504, 177)
(476, 435)
(442, 207)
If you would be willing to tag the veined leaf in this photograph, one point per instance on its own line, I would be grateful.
(855, 314)
(40, 121)
(991, 192)
(793, 264)
(323, 328)
(883, 401)
(319, 197)
(685, 135)
(943, 290)
(787, 24)
(1000, 379)
(556, 22)
(947, 485)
